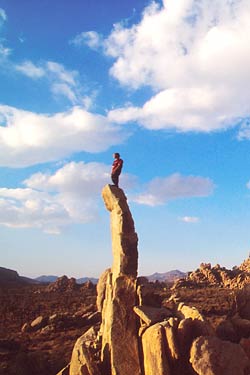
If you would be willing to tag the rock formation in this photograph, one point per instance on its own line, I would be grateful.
(141, 334)
(118, 329)
(63, 284)
(206, 275)
(245, 266)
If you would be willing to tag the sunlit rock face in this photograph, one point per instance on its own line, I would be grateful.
(124, 237)
(118, 330)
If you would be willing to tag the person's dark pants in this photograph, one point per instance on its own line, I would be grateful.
(115, 179)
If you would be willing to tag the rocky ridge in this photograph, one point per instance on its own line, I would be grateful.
(206, 275)
(141, 334)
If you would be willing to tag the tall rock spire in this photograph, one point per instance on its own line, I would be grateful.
(119, 335)
(124, 237)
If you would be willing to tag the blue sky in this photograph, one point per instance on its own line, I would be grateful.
(164, 83)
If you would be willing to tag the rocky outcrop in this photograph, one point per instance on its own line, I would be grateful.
(143, 333)
(245, 266)
(206, 276)
(63, 284)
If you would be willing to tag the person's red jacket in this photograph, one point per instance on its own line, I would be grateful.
(117, 166)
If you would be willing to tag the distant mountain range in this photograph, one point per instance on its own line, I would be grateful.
(169, 276)
(52, 279)
(10, 276)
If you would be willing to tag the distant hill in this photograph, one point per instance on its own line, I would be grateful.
(83, 280)
(52, 279)
(46, 279)
(8, 276)
(169, 276)
(11, 276)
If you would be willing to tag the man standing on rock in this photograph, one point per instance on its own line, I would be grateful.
(116, 168)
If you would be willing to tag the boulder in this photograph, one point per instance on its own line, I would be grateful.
(154, 352)
(26, 327)
(188, 330)
(226, 331)
(38, 323)
(82, 360)
(242, 300)
(172, 344)
(151, 315)
(212, 356)
(185, 312)
(241, 326)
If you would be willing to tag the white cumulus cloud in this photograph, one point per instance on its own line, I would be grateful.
(161, 190)
(195, 56)
(51, 202)
(28, 138)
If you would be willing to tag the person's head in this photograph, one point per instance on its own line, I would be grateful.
(116, 155)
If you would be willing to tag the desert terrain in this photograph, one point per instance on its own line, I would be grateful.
(36, 350)
(71, 309)
(126, 325)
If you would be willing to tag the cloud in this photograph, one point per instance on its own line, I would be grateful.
(62, 82)
(65, 90)
(244, 132)
(52, 70)
(161, 190)
(4, 51)
(89, 38)
(185, 110)
(190, 219)
(28, 138)
(194, 55)
(61, 73)
(31, 70)
(3, 16)
(51, 202)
